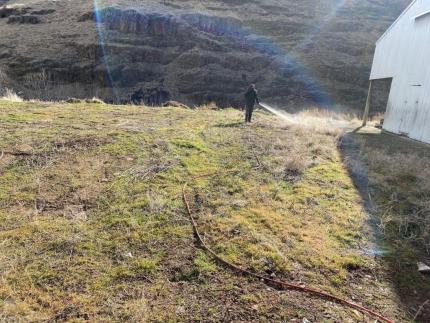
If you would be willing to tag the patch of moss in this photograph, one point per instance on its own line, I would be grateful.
(189, 145)
(203, 264)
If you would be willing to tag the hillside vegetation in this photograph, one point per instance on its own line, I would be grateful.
(93, 226)
(193, 51)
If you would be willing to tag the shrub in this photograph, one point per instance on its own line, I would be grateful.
(94, 100)
(295, 165)
(38, 84)
(74, 100)
(10, 95)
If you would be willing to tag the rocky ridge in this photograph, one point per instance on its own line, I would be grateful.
(303, 53)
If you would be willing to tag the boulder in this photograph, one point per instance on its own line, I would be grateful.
(43, 12)
(7, 11)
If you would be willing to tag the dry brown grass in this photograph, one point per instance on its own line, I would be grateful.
(10, 95)
(404, 181)
(37, 85)
(94, 100)
(209, 106)
(377, 117)
(393, 173)
(329, 114)
(321, 121)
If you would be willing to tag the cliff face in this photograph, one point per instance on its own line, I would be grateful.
(303, 52)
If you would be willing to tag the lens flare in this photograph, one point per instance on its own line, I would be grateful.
(250, 38)
(319, 28)
(101, 37)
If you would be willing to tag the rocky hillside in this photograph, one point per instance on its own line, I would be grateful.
(193, 51)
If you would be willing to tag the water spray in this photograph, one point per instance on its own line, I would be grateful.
(283, 115)
(308, 120)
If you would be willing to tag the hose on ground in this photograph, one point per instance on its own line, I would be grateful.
(275, 282)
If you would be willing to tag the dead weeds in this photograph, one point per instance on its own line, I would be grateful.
(394, 182)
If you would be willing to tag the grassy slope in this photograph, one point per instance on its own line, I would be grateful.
(92, 225)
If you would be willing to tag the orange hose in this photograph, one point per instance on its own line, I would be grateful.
(276, 282)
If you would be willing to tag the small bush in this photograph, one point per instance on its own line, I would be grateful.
(94, 100)
(295, 165)
(204, 264)
(10, 95)
(209, 106)
(74, 100)
(145, 266)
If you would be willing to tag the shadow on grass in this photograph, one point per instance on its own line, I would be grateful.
(398, 256)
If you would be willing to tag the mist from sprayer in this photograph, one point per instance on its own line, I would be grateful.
(309, 120)
(279, 113)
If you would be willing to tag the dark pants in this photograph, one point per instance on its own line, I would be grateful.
(248, 111)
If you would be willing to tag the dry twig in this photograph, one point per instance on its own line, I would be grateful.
(421, 309)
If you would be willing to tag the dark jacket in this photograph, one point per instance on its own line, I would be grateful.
(251, 96)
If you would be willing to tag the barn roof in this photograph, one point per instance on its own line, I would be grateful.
(395, 22)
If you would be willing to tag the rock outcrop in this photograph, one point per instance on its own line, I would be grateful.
(8, 11)
(297, 53)
(25, 19)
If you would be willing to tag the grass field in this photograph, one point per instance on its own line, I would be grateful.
(93, 226)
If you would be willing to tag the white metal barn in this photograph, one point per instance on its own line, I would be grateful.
(403, 54)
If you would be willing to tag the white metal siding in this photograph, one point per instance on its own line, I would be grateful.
(403, 54)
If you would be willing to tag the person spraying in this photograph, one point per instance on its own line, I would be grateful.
(251, 97)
